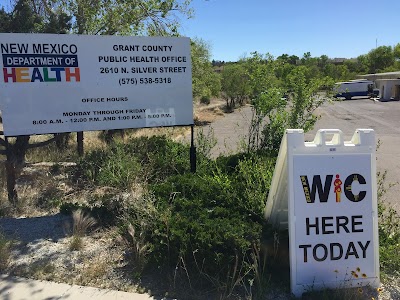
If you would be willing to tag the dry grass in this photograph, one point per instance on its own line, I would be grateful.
(42, 270)
(94, 271)
(4, 204)
(205, 114)
(139, 248)
(82, 223)
(5, 252)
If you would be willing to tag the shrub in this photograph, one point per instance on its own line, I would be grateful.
(253, 179)
(389, 239)
(389, 230)
(206, 229)
(161, 156)
(121, 164)
(107, 209)
(109, 167)
(205, 100)
(136, 225)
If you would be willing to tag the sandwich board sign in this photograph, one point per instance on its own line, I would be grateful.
(324, 192)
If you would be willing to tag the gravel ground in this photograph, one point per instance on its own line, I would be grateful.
(42, 251)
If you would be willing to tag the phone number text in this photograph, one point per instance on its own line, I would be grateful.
(149, 80)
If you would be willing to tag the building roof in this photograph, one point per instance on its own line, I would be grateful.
(387, 75)
(388, 79)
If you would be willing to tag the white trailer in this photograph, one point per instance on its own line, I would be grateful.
(355, 88)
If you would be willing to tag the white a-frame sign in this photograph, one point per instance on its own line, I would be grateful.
(325, 193)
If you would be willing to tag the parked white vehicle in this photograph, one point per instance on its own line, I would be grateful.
(355, 88)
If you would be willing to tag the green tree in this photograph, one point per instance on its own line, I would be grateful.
(206, 82)
(123, 17)
(380, 59)
(261, 72)
(362, 63)
(235, 84)
(323, 61)
(33, 16)
(305, 97)
(272, 113)
(293, 59)
(284, 58)
(283, 67)
(352, 65)
(396, 51)
(5, 20)
(23, 19)
(306, 57)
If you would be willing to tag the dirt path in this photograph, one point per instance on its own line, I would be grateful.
(229, 130)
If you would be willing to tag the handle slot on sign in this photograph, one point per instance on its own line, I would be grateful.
(329, 137)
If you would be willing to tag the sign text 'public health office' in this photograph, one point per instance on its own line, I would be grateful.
(63, 83)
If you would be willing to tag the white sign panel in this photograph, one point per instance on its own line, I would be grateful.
(65, 83)
(332, 209)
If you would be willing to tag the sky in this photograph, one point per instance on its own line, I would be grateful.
(337, 28)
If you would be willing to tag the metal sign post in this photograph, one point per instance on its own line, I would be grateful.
(192, 151)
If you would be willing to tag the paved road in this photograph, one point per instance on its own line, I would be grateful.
(383, 117)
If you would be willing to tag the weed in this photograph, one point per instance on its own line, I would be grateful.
(82, 223)
(389, 231)
(138, 223)
(205, 142)
(138, 246)
(345, 289)
(389, 239)
(50, 152)
(5, 252)
(93, 270)
(76, 243)
(42, 270)
(139, 159)
(49, 197)
(205, 100)
(209, 233)
(55, 169)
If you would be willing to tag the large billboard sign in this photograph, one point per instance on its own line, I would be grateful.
(332, 210)
(64, 83)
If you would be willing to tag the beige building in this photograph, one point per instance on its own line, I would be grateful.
(387, 83)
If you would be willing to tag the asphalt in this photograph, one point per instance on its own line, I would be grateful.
(383, 117)
(15, 288)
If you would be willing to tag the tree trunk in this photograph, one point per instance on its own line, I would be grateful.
(63, 140)
(11, 181)
(109, 135)
(14, 164)
(18, 151)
